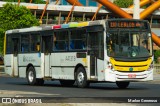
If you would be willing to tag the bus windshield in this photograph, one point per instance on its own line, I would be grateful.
(129, 44)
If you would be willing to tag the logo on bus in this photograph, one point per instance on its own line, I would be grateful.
(130, 69)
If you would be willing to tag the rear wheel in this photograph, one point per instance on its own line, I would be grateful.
(67, 82)
(122, 85)
(81, 78)
(31, 77)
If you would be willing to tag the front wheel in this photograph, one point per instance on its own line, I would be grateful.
(122, 85)
(81, 78)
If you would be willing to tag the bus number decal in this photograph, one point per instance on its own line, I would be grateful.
(70, 58)
(28, 59)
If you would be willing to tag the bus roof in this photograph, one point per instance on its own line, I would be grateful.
(34, 28)
(69, 25)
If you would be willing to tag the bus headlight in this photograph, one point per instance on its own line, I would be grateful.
(110, 66)
(150, 67)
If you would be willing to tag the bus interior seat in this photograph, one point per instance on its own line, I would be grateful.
(72, 44)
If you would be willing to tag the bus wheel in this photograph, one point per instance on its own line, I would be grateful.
(67, 82)
(81, 78)
(31, 77)
(122, 84)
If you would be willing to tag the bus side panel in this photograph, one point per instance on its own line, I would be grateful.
(39, 74)
(26, 59)
(63, 73)
(63, 65)
(7, 63)
(22, 72)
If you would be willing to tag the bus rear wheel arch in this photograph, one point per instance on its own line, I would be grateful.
(122, 84)
(31, 77)
(81, 77)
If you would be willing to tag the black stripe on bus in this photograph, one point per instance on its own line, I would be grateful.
(67, 66)
(26, 66)
(8, 66)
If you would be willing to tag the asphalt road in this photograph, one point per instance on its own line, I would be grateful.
(18, 87)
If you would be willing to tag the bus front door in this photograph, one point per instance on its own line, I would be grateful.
(46, 42)
(92, 52)
(14, 60)
(96, 52)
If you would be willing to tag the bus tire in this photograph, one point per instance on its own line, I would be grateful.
(67, 82)
(81, 78)
(31, 77)
(122, 84)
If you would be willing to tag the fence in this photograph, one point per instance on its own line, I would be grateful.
(156, 73)
(157, 68)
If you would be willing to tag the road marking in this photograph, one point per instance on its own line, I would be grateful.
(17, 93)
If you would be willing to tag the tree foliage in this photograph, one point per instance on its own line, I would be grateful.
(14, 17)
(156, 55)
(123, 3)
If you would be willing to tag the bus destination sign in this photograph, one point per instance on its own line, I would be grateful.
(127, 24)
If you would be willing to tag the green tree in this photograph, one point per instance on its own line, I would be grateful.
(123, 3)
(156, 55)
(14, 17)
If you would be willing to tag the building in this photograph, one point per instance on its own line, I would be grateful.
(84, 2)
(56, 14)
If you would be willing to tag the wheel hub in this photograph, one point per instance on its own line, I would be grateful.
(30, 76)
(80, 78)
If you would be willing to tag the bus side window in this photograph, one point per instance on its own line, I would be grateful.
(38, 47)
(22, 48)
(60, 41)
(78, 39)
(55, 45)
(25, 43)
(72, 44)
(35, 42)
(9, 43)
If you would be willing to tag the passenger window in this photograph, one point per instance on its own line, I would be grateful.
(35, 42)
(77, 40)
(60, 41)
(25, 43)
(9, 43)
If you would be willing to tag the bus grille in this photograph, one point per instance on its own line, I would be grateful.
(131, 66)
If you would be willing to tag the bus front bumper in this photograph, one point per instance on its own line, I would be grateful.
(114, 76)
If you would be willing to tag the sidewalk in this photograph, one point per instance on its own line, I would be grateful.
(1, 68)
(2, 73)
(156, 75)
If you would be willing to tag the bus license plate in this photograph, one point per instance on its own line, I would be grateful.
(131, 75)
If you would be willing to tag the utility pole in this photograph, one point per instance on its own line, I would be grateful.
(136, 9)
(135, 16)
(87, 2)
